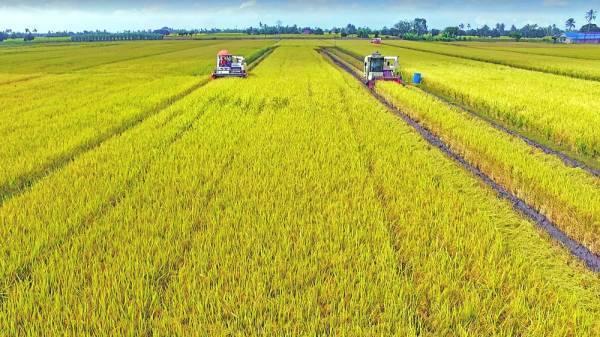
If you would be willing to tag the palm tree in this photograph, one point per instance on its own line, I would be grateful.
(570, 24)
(590, 16)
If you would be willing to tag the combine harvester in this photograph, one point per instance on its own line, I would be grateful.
(381, 68)
(229, 65)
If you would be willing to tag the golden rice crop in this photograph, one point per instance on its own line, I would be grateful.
(290, 203)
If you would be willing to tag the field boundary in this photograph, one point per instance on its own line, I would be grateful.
(564, 157)
(26, 181)
(595, 78)
(521, 52)
(591, 260)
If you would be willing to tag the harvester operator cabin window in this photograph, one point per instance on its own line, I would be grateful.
(377, 65)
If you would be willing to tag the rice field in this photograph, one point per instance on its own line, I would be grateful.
(558, 111)
(141, 198)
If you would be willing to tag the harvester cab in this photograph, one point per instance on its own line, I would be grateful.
(381, 68)
(229, 65)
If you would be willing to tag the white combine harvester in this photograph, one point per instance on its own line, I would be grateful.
(381, 68)
(229, 65)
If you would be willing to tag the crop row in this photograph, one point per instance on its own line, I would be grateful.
(573, 67)
(554, 110)
(569, 197)
(304, 209)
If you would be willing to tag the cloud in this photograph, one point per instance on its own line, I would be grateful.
(248, 4)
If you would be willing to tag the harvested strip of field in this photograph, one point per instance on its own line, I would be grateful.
(577, 68)
(553, 110)
(352, 63)
(568, 197)
(303, 209)
(576, 248)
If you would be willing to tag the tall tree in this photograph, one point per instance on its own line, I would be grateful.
(351, 29)
(402, 27)
(420, 26)
(590, 16)
(570, 24)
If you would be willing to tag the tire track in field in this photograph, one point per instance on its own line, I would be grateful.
(19, 80)
(594, 78)
(24, 182)
(565, 158)
(24, 271)
(591, 260)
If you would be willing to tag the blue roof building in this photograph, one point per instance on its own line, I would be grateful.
(575, 37)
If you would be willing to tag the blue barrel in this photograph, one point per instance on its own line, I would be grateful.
(417, 78)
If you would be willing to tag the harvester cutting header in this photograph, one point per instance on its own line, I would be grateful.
(381, 68)
(229, 65)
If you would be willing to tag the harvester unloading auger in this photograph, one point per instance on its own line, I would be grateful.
(229, 65)
(381, 68)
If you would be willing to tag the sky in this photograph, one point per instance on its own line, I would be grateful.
(118, 15)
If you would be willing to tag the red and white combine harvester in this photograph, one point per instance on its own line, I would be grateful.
(229, 65)
(376, 40)
(381, 68)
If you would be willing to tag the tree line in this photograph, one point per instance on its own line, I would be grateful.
(83, 36)
(416, 29)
